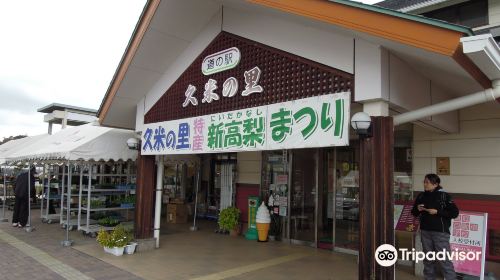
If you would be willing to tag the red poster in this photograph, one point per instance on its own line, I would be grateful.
(406, 221)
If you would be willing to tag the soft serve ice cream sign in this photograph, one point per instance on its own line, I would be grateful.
(263, 220)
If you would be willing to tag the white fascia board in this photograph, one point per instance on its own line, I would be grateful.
(484, 52)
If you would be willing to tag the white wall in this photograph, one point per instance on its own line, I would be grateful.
(494, 12)
(381, 75)
(371, 75)
(211, 30)
(272, 29)
(249, 167)
(474, 152)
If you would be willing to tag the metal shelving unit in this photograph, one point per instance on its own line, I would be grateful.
(46, 199)
(85, 223)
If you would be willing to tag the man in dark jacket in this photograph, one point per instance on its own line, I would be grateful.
(20, 216)
(435, 208)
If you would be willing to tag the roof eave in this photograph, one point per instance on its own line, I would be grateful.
(132, 46)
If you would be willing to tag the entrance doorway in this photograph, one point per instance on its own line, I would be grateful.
(323, 197)
(303, 196)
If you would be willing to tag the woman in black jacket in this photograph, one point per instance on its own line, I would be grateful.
(435, 208)
(20, 215)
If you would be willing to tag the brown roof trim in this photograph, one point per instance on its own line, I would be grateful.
(140, 29)
(405, 31)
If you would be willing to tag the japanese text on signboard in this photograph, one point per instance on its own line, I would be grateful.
(310, 122)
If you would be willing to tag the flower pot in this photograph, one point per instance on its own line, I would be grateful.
(117, 251)
(234, 232)
(130, 248)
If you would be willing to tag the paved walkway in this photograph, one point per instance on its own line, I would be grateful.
(201, 255)
(39, 255)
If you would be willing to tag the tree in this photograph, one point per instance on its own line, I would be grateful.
(7, 139)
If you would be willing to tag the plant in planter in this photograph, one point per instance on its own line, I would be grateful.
(229, 220)
(127, 201)
(96, 204)
(108, 221)
(114, 242)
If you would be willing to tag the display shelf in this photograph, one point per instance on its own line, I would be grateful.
(108, 188)
(94, 228)
(107, 209)
(50, 218)
(73, 223)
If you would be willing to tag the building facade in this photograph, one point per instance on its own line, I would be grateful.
(256, 97)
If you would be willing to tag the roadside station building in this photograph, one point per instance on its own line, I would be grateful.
(258, 96)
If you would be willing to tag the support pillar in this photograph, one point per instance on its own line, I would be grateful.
(376, 197)
(143, 225)
(159, 193)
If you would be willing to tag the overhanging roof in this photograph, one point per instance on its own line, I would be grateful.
(61, 107)
(165, 30)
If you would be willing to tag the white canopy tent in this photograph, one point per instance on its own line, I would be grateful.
(8, 149)
(11, 147)
(81, 143)
(78, 145)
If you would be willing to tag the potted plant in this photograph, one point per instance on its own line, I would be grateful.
(127, 202)
(114, 242)
(108, 222)
(229, 220)
(130, 248)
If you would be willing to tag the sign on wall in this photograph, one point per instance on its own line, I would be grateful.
(443, 165)
(221, 61)
(468, 234)
(318, 121)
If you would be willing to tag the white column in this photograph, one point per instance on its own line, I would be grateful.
(376, 108)
(65, 120)
(159, 193)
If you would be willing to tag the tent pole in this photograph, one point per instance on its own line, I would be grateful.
(29, 227)
(48, 193)
(43, 189)
(63, 181)
(67, 242)
(80, 196)
(3, 219)
(198, 175)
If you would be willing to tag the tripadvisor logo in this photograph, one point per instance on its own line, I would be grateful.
(387, 255)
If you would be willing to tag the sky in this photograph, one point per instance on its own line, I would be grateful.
(59, 51)
(63, 51)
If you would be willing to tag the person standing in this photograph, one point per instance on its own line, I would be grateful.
(435, 208)
(22, 200)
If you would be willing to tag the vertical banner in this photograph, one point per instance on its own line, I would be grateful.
(468, 234)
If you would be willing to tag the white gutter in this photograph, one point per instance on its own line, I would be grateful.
(490, 94)
(421, 5)
(485, 53)
(159, 190)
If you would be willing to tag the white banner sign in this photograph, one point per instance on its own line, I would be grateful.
(318, 121)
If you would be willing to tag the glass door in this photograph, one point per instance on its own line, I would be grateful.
(326, 198)
(303, 196)
(347, 197)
